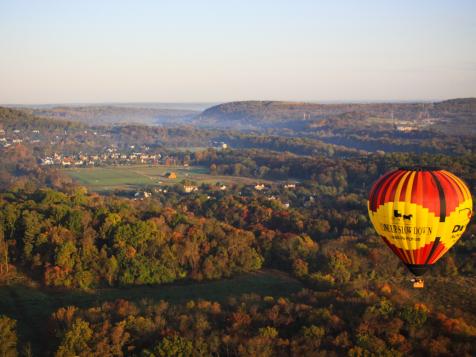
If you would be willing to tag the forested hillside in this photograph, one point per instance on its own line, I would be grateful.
(124, 273)
(294, 115)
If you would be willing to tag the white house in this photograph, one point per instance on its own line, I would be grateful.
(189, 188)
(144, 194)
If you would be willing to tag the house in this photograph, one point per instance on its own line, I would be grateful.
(289, 185)
(219, 145)
(406, 128)
(190, 188)
(171, 175)
(66, 161)
(142, 195)
(47, 161)
(222, 187)
(259, 187)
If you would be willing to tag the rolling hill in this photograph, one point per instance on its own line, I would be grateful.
(266, 114)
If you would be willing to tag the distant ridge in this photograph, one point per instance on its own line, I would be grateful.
(265, 114)
(240, 110)
(18, 119)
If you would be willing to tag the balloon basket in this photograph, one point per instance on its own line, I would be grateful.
(418, 283)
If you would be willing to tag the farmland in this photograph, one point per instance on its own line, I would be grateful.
(103, 179)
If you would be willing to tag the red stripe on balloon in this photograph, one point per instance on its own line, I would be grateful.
(451, 193)
(456, 186)
(389, 191)
(383, 188)
(420, 255)
(373, 192)
(405, 184)
(394, 249)
(431, 198)
(436, 253)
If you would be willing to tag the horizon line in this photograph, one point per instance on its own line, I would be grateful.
(330, 101)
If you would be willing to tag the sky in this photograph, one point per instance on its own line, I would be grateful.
(215, 51)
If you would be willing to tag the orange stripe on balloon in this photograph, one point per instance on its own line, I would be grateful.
(376, 189)
(440, 250)
(422, 253)
(406, 185)
(395, 250)
(462, 185)
(417, 189)
(391, 188)
(457, 187)
(379, 193)
(373, 192)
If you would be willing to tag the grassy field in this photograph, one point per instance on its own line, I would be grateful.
(133, 177)
(32, 307)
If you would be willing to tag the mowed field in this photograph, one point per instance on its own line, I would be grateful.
(133, 177)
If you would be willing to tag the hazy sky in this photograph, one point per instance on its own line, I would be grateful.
(181, 51)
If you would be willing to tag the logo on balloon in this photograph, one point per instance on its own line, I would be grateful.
(458, 228)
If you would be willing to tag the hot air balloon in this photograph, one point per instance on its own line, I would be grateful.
(420, 213)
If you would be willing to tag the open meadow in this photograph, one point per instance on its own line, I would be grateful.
(103, 179)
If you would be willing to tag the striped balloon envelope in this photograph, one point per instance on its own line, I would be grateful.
(420, 213)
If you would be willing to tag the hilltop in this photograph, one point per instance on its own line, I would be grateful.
(17, 119)
(265, 114)
(110, 114)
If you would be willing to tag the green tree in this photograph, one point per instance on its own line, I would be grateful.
(175, 346)
(76, 339)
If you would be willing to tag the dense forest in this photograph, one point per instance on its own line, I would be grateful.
(57, 238)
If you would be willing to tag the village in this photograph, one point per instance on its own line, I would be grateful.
(109, 156)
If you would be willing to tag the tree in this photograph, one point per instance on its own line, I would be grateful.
(175, 346)
(3, 252)
(8, 337)
(76, 339)
(308, 341)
